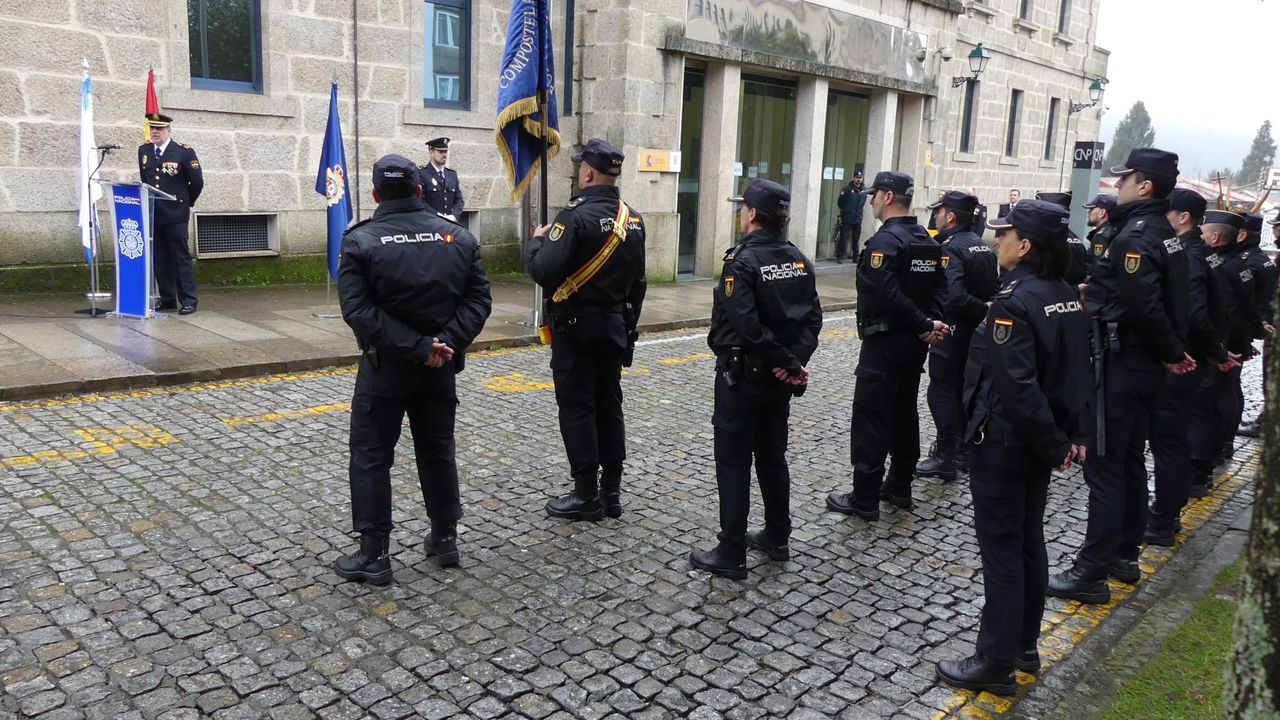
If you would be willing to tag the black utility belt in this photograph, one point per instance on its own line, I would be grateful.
(743, 365)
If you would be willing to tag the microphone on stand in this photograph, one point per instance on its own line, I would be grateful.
(111, 146)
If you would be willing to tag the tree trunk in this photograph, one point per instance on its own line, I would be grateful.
(1253, 685)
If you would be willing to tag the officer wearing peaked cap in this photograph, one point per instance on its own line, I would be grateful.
(414, 293)
(1081, 257)
(1100, 235)
(174, 168)
(441, 191)
(591, 263)
(765, 320)
(901, 288)
(1025, 388)
(971, 279)
(1264, 272)
(1137, 297)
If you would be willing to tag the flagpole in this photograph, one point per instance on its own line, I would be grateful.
(542, 172)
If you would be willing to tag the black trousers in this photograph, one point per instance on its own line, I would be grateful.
(946, 383)
(175, 275)
(750, 421)
(383, 396)
(589, 396)
(1009, 490)
(1170, 444)
(885, 419)
(1232, 410)
(1205, 423)
(847, 239)
(1118, 480)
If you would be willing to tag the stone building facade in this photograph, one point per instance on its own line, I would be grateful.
(800, 91)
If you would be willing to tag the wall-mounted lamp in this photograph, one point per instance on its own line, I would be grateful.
(978, 58)
(1095, 96)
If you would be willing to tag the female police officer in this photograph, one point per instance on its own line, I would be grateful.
(765, 319)
(1025, 389)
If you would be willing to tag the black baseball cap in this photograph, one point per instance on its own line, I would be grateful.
(765, 195)
(1223, 217)
(895, 182)
(1153, 161)
(957, 200)
(1252, 223)
(1102, 200)
(1188, 201)
(440, 143)
(394, 170)
(602, 156)
(1061, 199)
(1035, 218)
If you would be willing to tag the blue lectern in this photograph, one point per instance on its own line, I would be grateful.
(131, 222)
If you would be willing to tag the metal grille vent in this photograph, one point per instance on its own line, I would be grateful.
(234, 234)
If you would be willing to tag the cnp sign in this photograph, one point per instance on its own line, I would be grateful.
(1088, 156)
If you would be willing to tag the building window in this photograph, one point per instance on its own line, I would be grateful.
(967, 116)
(446, 57)
(1024, 9)
(1015, 112)
(225, 44)
(1051, 128)
(1064, 17)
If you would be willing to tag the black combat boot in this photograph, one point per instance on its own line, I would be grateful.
(897, 490)
(941, 462)
(962, 457)
(1028, 661)
(1126, 571)
(442, 543)
(1073, 584)
(979, 672)
(611, 492)
(581, 504)
(847, 504)
(1252, 428)
(761, 540)
(370, 563)
(721, 561)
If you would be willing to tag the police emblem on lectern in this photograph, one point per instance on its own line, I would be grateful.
(131, 244)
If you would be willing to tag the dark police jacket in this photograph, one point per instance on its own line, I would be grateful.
(972, 277)
(1099, 238)
(1140, 282)
(1080, 259)
(850, 203)
(176, 172)
(406, 276)
(901, 286)
(1264, 275)
(1207, 321)
(766, 303)
(605, 310)
(441, 191)
(1027, 378)
(1238, 280)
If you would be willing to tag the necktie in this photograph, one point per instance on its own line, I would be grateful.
(157, 151)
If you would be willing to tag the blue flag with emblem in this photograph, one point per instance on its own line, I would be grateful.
(527, 67)
(331, 182)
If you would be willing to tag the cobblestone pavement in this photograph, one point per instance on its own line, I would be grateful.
(166, 553)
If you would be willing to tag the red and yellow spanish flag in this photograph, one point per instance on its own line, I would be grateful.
(153, 105)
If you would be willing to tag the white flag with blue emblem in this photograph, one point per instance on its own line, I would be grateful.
(90, 190)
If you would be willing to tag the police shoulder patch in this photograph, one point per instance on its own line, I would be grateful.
(1131, 262)
(195, 164)
(556, 231)
(877, 259)
(946, 260)
(1002, 330)
(1098, 248)
(728, 285)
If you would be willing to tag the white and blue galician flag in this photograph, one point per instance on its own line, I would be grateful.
(90, 190)
(527, 66)
(331, 182)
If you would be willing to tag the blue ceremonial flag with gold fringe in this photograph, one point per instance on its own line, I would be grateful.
(331, 182)
(527, 66)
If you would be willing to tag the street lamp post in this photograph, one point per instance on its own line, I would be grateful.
(978, 59)
(1096, 89)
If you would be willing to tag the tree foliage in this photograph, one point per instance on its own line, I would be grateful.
(1134, 131)
(1261, 154)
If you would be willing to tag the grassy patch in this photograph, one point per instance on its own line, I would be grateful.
(1184, 681)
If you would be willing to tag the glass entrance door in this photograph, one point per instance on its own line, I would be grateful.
(844, 151)
(766, 131)
(695, 82)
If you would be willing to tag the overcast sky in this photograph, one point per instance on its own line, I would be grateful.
(1182, 58)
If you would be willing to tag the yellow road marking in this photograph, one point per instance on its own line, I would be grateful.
(682, 359)
(286, 414)
(515, 382)
(102, 441)
(1063, 630)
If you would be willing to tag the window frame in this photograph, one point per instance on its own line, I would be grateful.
(255, 86)
(1025, 10)
(462, 38)
(1064, 17)
(1051, 128)
(968, 108)
(1015, 118)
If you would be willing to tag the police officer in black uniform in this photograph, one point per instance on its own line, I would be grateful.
(590, 263)
(1264, 272)
(1138, 295)
(1081, 255)
(901, 288)
(972, 277)
(174, 168)
(1206, 342)
(1100, 236)
(413, 291)
(1025, 387)
(850, 202)
(441, 191)
(765, 320)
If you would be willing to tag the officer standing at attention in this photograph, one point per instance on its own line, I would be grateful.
(1100, 236)
(1081, 257)
(1025, 387)
(1264, 272)
(1138, 297)
(900, 302)
(590, 262)
(441, 191)
(852, 197)
(175, 169)
(1206, 338)
(765, 320)
(972, 277)
(413, 291)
